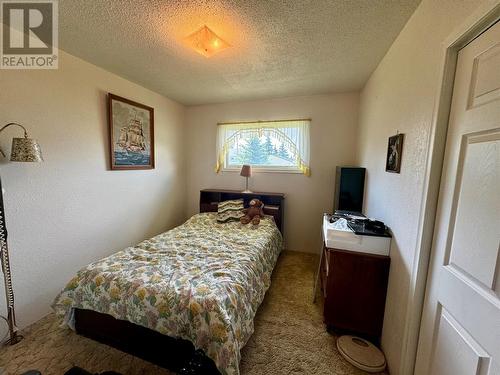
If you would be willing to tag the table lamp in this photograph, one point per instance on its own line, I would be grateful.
(246, 171)
(23, 150)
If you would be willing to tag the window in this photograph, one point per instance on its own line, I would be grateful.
(281, 146)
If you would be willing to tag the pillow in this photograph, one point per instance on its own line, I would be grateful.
(230, 210)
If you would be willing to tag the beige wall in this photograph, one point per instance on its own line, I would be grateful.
(333, 141)
(400, 96)
(71, 210)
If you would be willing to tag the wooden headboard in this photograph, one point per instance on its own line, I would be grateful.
(274, 203)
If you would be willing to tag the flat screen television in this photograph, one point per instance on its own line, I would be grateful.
(349, 189)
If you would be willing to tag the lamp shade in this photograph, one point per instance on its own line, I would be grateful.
(246, 171)
(25, 149)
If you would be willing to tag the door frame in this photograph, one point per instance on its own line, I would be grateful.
(484, 17)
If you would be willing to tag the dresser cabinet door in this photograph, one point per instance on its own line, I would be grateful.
(356, 291)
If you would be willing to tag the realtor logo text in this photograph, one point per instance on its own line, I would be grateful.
(29, 38)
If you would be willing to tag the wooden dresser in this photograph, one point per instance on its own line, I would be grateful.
(354, 287)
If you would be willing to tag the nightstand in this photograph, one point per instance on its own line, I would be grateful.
(354, 286)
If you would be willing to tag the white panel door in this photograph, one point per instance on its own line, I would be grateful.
(460, 331)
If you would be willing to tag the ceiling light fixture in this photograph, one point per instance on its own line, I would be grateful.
(206, 42)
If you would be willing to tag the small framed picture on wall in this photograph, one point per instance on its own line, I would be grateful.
(394, 153)
(131, 134)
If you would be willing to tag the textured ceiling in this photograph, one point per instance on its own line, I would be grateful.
(279, 48)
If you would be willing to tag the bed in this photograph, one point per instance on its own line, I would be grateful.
(184, 299)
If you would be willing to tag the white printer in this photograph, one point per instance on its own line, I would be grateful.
(350, 233)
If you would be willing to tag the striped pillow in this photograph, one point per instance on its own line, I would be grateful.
(230, 210)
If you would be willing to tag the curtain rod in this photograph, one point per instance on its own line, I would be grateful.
(258, 121)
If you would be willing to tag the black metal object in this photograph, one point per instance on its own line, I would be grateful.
(14, 337)
(367, 227)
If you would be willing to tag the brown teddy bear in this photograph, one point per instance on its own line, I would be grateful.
(253, 213)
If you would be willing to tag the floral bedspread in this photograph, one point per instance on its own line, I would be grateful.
(201, 281)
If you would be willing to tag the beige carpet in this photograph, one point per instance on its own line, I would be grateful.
(289, 338)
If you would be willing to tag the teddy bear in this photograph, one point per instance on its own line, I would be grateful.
(253, 213)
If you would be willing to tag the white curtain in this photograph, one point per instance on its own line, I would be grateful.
(293, 133)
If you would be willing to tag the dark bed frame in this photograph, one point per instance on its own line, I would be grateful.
(175, 354)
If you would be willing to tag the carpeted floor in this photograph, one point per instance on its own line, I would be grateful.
(289, 338)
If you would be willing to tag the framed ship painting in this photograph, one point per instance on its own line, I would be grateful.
(131, 134)
(394, 152)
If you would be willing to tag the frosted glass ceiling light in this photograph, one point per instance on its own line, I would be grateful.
(206, 42)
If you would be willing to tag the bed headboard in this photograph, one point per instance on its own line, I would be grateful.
(274, 203)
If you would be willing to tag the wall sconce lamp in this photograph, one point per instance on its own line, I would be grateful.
(23, 150)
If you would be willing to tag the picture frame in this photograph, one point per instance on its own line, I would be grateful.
(394, 153)
(131, 134)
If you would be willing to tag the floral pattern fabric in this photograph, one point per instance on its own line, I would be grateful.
(201, 281)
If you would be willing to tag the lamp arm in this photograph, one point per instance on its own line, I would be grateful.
(10, 124)
(15, 123)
